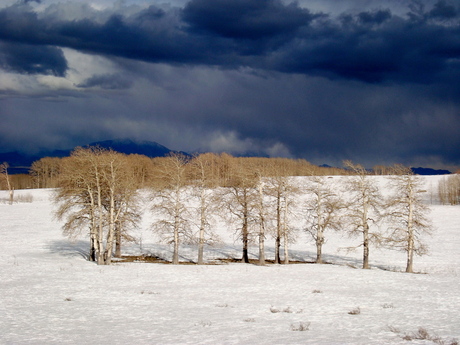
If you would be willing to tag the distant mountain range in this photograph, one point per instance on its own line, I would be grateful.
(20, 163)
(429, 171)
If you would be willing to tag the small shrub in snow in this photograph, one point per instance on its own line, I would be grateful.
(288, 310)
(393, 329)
(143, 292)
(274, 310)
(388, 306)
(301, 327)
(355, 311)
(423, 334)
(317, 291)
(204, 323)
(249, 320)
(222, 305)
(68, 299)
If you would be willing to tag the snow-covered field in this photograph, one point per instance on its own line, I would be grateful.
(49, 293)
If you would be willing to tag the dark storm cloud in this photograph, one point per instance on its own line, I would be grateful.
(245, 19)
(29, 59)
(372, 46)
(107, 81)
(443, 10)
(368, 85)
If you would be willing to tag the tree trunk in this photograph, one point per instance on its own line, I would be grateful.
(278, 230)
(410, 258)
(175, 259)
(245, 237)
(319, 232)
(202, 228)
(111, 232)
(278, 249)
(410, 234)
(262, 226)
(245, 245)
(286, 249)
(11, 196)
(92, 249)
(319, 247)
(118, 240)
(261, 247)
(100, 228)
(285, 233)
(410, 242)
(366, 247)
(201, 251)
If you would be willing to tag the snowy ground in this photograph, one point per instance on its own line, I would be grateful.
(49, 293)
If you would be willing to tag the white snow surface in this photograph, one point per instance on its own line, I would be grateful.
(50, 293)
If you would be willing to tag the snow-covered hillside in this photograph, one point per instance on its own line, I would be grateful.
(50, 294)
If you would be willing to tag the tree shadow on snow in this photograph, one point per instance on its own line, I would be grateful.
(70, 248)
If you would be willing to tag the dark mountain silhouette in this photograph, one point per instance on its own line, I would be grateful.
(127, 146)
(429, 171)
(20, 163)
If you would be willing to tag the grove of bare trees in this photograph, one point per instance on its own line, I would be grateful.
(96, 194)
(449, 190)
(99, 192)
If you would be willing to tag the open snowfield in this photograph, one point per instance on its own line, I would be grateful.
(50, 294)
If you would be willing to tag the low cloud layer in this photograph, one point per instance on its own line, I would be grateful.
(377, 85)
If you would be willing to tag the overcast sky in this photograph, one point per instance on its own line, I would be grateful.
(376, 82)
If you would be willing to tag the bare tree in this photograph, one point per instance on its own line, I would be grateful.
(95, 191)
(363, 208)
(406, 215)
(121, 200)
(283, 192)
(170, 202)
(6, 178)
(239, 199)
(262, 216)
(322, 210)
(79, 198)
(204, 181)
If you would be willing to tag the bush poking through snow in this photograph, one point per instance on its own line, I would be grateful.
(316, 291)
(249, 319)
(288, 310)
(393, 329)
(146, 292)
(423, 334)
(355, 311)
(222, 305)
(274, 310)
(301, 327)
(387, 306)
(204, 323)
